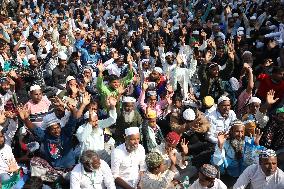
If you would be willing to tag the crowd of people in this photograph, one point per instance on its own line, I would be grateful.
(144, 94)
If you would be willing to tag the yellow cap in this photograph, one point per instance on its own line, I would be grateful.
(151, 114)
(208, 101)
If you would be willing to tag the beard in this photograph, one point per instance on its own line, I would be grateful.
(238, 146)
(2, 145)
(128, 116)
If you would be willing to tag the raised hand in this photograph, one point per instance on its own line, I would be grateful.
(145, 86)
(2, 117)
(12, 166)
(257, 135)
(100, 66)
(208, 56)
(173, 157)
(222, 137)
(111, 101)
(231, 50)
(86, 98)
(24, 112)
(270, 97)
(184, 146)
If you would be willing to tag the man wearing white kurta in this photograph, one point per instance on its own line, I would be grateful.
(128, 160)
(265, 175)
(92, 172)
(91, 134)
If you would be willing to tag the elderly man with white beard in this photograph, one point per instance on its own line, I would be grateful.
(127, 117)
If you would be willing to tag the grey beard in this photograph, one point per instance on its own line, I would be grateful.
(128, 116)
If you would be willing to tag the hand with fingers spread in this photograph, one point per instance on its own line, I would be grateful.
(2, 117)
(231, 50)
(100, 66)
(222, 137)
(270, 97)
(86, 99)
(12, 166)
(24, 112)
(257, 135)
(121, 89)
(112, 102)
(184, 147)
(145, 86)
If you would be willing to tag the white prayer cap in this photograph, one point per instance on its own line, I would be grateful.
(35, 87)
(254, 99)
(234, 83)
(241, 28)
(109, 30)
(240, 33)
(62, 56)
(158, 69)
(145, 61)
(131, 131)
(77, 30)
(69, 78)
(213, 8)
(31, 56)
(189, 114)
(169, 54)
(195, 32)
(128, 99)
(87, 115)
(85, 25)
(146, 47)
(252, 18)
(235, 14)
(223, 98)
(170, 20)
(247, 52)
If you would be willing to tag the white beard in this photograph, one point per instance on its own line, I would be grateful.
(128, 116)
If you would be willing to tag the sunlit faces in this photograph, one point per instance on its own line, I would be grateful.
(224, 108)
(36, 96)
(268, 165)
(132, 142)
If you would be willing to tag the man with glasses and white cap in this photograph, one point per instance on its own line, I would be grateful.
(220, 119)
(265, 175)
(128, 160)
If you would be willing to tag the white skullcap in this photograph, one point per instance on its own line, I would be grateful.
(146, 47)
(252, 18)
(87, 115)
(234, 83)
(85, 25)
(247, 52)
(240, 33)
(254, 99)
(235, 14)
(69, 78)
(241, 28)
(31, 56)
(170, 20)
(213, 8)
(189, 114)
(77, 30)
(35, 87)
(223, 98)
(128, 99)
(144, 61)
(62, 56)
(158, 69)
(109, 30)
(195, 32)
(169, 54)
(131, 131)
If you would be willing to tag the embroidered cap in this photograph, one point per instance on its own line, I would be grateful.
(267, 153)
(153, 160)
(237, 123)
(173, 138)
(128, 99)
(189, 114)
(209, 171)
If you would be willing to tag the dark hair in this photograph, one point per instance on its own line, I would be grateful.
(87, 158)
(277, 69)
(112, 77)
(34, 182)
